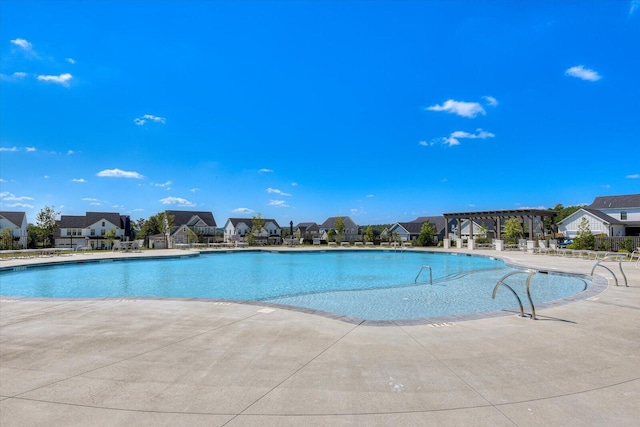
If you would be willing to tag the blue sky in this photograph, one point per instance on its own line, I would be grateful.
(301, 110)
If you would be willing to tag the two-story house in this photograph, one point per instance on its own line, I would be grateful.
(349, 233)
(16, 222)
(192, 227)
(307, 231)
(408, 231)
(613, 216)
(75, 231)
(237, 230)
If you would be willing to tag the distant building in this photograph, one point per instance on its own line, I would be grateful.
(237, 230)
(75, 231)
(307, 231)
(613, 216)
(408, 231)
(349, 234)
(16, 222)
(192, 227)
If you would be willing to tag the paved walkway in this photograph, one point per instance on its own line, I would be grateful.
(190, 363)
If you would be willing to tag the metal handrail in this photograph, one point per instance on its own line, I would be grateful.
(501, 282)
(420, 272)
(618, 258)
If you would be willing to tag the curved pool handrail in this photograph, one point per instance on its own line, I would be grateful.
(420, 272)
(618, 258)
(502, 282)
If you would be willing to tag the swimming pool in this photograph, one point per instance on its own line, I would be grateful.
(363, 284)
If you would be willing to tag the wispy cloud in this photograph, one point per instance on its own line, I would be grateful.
(264, 170)
(461, 108)
(166, 184)
(455, 137)
(9, 197)
(22, 43)
(70, 152)
(581, 72)
(635, 6)
(30, 149)
(89, 199)
(20, 205)
(18, 75)
(491, 101)
(294, 184)
(78, 180)
(62, 79)
(176, 201)
(70, 60)
(278, 203)
(149, 117)
(194, 190)
(9, 149)
(369, 196)
(118, 173)
(276, 191)
(633, 176)
(243, 210)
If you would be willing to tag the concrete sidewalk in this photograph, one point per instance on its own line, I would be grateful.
(180, 362)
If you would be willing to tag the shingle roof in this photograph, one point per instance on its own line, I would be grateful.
(187, 217)
(331, 222)
(249, 222)
(616, 202)
(14, 217)
(603, 216)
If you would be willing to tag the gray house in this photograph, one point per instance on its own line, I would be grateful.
(350, 232)
(16, 222)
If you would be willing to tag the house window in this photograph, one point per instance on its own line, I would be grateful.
(93, 232)
(68, 232)
(103, 223)
(623, 215)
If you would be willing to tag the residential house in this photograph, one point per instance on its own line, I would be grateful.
(237, 230)
(613, 216)
(307, 231)
(75, 231)
(349, 234)
(192, 227)
(16, 222)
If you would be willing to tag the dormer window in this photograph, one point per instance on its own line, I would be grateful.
(623, 215)
(103, 223)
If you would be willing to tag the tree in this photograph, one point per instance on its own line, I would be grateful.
(156, 224)
(369, 234)
(425, 238)
(512, 229)
(46, 223)
(257, 227)
(584, 238)
(339, 227)
(6, 238)
(110, 236)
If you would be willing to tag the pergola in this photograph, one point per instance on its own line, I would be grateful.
(498, 217)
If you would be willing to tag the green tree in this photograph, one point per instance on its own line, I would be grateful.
(369, 234)
(256, 229)
(156, 224)
(110, 236)
(512, 229)
(584, 238)
(6, 238)
(425, 238)
(46, 223)
(33, 234)
(330, 235)
(339, 224)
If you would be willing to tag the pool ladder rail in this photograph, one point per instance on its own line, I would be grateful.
(618, 258)
(424, 267)
(531, 273)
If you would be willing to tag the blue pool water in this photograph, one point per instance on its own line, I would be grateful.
(371, 285)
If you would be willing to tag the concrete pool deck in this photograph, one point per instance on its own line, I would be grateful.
(121, 362)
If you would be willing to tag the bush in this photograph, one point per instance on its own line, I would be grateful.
(626, 245)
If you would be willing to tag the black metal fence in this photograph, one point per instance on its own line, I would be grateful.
(616, 243)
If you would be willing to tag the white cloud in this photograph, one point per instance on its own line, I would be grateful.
(95, 204)
(461, 108)
(30, 149)
(78, 180)
(70, 60)
(19, 74)
(242, 210)
(70, 152)
(265, 170)
(491, 101)
(20, 205)
(89, 199)
(583, 73)
(426, 144)
(166, 184)
(633, 176)
(46, 177)
(276, 191)
(278, 203)
(455, 137)
(635, 5)
(176, 201)
(62, 79)
(369, 196)
(194, 190)
(9, 149)
(13, 198)
(22, 43)
(149, 117)
(117, 173)
(294, 184)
